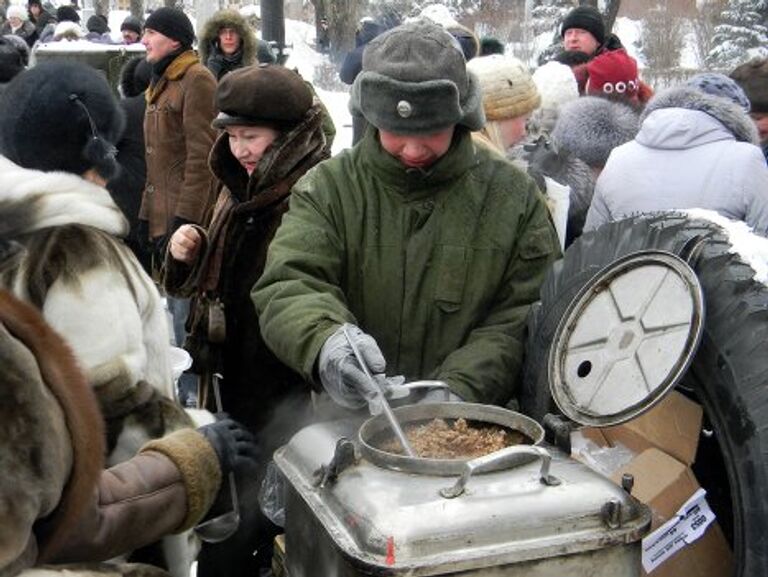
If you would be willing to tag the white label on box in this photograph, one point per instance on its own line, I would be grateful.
(690, 523)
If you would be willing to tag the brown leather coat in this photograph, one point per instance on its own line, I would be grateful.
(66, 507)
(178, 138)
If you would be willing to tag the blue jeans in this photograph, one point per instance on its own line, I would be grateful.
(187, 385)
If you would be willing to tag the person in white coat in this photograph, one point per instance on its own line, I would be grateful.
(696, 148)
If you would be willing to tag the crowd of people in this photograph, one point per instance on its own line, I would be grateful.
(208, 191)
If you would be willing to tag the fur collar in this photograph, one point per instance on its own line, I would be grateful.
(728, 113)
(227, 19)
(303, 146)
(175, 70)
(33, 200)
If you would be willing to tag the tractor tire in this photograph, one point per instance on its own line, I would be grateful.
(728, 375)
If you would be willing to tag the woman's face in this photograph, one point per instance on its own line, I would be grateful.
(248, 144)
(14, 21)
(513, 130)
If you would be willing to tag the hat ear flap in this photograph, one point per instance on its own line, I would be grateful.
(102, 155)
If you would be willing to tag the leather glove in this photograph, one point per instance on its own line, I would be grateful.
(343, 378)
(235, 446)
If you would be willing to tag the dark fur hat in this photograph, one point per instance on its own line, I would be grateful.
(415, 81)
(590, 127)
(135, 76)
(61, 116)
(14, 55)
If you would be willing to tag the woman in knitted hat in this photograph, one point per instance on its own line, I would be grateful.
(509, 98)
(62, 253)
(697, 148)
(271, 134)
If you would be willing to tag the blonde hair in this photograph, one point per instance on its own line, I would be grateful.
(492, 133)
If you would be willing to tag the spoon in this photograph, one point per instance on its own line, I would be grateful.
(223, 526)
(393, 422)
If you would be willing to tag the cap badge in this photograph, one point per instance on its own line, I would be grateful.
(404, 109)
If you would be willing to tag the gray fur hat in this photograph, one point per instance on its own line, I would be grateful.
(591, 127)
(415, 81)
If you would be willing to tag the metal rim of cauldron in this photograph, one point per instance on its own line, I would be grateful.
(442, 467)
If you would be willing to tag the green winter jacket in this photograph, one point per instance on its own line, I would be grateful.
(440, 267)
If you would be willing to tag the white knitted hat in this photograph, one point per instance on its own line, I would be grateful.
(19, 12)
(556, 84)
(508, 90)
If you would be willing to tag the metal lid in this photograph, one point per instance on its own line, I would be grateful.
(626, 338)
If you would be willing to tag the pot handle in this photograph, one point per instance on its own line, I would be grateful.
(499, 460)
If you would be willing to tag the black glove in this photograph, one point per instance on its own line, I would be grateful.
(235, 446)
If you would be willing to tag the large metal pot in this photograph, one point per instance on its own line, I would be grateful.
(377, 427)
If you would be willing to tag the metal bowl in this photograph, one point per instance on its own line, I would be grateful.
(375, 427)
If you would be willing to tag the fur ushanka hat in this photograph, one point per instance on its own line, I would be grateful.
(415, 81)
(61, 116)
(591, 127)
(508, 89)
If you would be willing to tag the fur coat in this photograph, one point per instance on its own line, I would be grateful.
(57, 503)
(247, 213)
(88, 285)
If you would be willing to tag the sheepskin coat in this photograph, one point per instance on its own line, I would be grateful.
(694, 150)
(57, 503)
(74, 268)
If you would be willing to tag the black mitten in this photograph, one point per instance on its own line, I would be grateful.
(235, 446)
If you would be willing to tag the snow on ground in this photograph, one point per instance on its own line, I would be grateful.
(300, 36)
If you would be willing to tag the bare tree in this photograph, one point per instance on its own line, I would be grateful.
(137, 9)
(703, 25)
(662, 39)
(342, 17)
(273, 23)
(610, 14)
(101, 7)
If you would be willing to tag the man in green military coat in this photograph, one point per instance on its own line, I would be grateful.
(428, 248)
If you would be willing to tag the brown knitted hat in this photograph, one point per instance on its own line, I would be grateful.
(262, 95)
(508, 89)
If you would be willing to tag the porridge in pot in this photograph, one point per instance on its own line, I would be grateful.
(454, 439)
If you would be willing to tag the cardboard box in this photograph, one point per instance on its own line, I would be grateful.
(673, 425)
(665, 484)
(664, 442)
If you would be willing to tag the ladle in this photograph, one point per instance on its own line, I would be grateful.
(223, 526)
(393, 422)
